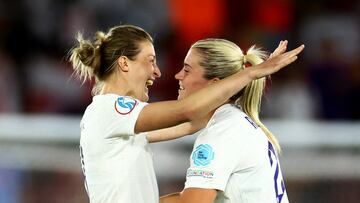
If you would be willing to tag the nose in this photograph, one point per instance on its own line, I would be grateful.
(179, 75)
(157, 72)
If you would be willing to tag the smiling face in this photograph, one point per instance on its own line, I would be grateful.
(143, 71)
(191, 76)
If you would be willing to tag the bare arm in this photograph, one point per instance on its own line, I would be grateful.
(170, 198)
(198, 195)
(191, 195)
(177, 131)
(170, 113)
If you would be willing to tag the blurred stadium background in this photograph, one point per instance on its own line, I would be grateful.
(313, 107)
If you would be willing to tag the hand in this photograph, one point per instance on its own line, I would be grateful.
(280, 49)
(275, 62)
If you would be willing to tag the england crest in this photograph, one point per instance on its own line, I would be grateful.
(124, 105)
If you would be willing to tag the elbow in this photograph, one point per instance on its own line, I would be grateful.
(191, 112)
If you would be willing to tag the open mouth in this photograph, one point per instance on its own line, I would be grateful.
(149, 82)
(181, 87)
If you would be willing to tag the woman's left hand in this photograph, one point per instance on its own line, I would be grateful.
(280, 49)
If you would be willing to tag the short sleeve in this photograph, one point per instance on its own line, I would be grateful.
(210, 165)
(125, 112)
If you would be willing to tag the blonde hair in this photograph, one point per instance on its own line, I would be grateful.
(96, 59)
(222, 58)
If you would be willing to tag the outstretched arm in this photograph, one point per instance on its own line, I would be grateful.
(177, 131)
(170, 113)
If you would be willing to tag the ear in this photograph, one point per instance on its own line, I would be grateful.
(122, 62)
(214, 80)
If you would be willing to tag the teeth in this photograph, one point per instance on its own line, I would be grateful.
(181, 88)
(149, 82)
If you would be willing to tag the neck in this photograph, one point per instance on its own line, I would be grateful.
(116, 85)
(209, 116)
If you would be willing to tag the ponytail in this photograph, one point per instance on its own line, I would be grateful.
(250, 100)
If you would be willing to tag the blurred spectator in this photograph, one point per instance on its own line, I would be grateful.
(290, 96)
(191, 23)
(331, 77)
(9, 91)
(36, 36)
(51, 89)
(333, 44)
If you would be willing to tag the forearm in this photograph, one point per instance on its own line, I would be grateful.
(207, 99)
(170, 198)
(214, 95)
(170, 133)
(166, 114)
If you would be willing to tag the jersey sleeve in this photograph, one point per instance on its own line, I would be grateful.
(125, 112)
(210, 165)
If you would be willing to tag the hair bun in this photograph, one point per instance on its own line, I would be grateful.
(100, 39)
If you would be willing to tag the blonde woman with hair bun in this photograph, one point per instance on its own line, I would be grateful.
(235, 157)
(115, 128)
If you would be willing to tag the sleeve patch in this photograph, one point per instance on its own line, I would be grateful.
(124, 105)
(203, 155)
(200, 173)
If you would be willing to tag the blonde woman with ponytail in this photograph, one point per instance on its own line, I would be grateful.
(115, 156)
(235, 157)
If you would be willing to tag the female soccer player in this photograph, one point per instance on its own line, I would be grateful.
(115, 156)
(235, 157)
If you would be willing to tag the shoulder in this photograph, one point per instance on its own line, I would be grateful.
(229, 116)
(113, 114)
(119, 104)
(125, 104)
(111, 106)
(230, 122)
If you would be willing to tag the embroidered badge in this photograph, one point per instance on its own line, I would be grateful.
(203, 155)
(124, 105)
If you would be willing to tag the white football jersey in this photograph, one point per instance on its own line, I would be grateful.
(117, 163)
(234, 156)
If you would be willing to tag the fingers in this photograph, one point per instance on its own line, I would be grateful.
(280, 49)
(283, 46)
(287, 62)
(294, 52)
(278, 62)
(289, 57)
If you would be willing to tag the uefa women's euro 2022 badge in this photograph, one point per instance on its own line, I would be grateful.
(203, 155)
(124, 105)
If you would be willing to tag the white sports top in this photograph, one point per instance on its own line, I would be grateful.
(117, 163)
(234, 156)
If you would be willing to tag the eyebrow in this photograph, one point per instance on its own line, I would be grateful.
(151, 55)
(187, 65)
